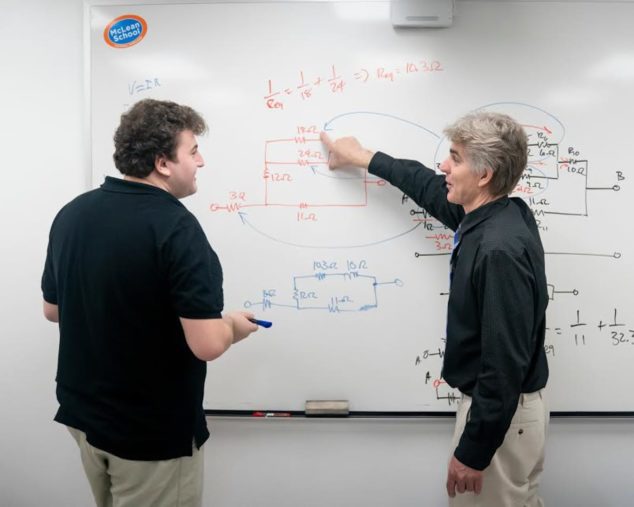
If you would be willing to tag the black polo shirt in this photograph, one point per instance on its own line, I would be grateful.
(124, 262)
(496, 314)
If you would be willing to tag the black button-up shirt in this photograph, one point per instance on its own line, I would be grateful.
(497, 304)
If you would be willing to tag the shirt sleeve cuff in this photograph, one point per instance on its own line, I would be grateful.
(473, 454)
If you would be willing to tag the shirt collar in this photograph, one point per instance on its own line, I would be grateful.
(120, 185)
(482, 213)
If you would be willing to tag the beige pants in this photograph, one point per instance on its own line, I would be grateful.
(512, 478)
(117, 482)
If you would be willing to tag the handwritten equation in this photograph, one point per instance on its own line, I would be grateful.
(584, 333)
(278, 94)
(143, 85)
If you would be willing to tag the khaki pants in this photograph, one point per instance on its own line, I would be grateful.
(512, 478)
(117, 482)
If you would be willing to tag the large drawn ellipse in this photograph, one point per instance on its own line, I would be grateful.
(308, 205)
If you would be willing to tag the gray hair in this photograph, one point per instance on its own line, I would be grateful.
(492, 141)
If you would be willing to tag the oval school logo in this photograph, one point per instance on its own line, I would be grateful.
(125, 31)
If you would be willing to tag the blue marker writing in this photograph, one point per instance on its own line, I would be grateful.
(263, 323)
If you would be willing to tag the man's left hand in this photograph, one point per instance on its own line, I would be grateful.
(461, 478)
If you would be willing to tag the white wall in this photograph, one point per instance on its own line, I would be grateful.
(379, 463)
(41, 96)
(249, 462)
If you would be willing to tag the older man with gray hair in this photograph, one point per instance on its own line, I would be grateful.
(496, 314)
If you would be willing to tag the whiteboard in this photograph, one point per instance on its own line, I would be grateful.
(353, 275)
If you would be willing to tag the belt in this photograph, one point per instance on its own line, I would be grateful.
(524, 397)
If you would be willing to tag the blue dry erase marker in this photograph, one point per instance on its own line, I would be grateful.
(263, 323)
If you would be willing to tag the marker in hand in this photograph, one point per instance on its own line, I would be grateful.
(263, 323)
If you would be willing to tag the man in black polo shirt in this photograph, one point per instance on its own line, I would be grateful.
(496, 312)
(137, 291)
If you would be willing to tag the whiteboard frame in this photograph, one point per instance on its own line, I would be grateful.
(87, 122)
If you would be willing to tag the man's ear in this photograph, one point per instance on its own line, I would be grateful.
(161, 167)
(485, 179)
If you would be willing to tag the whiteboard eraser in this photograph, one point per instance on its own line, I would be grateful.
(421, 13)
(327, 408)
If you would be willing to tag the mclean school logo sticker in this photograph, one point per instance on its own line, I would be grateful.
(125, 31)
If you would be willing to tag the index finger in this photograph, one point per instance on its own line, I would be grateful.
(325, 138)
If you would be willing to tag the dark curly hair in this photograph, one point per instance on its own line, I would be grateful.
(151, 129)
